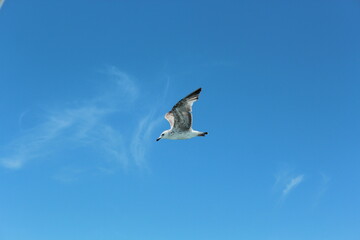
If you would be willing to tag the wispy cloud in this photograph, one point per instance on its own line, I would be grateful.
(286, 181)
(1, 3)
(88, 124)
(142, 136)
(322, 188)
(294, 182)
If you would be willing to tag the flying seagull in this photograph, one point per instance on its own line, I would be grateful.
(180, 119)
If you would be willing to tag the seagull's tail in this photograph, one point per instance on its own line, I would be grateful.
(202, 134)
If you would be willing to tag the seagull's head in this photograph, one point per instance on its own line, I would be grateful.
(164, 134)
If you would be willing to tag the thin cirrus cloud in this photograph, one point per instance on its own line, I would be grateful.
(87, 126)
(142, 135)
(322, 188)
(1, 3)
(286, 182)
(292, 184)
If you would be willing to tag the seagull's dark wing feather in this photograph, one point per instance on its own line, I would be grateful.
(180, 116)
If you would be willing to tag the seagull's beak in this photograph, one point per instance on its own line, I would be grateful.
(158, 139)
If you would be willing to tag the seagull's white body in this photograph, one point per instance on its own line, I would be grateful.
(180, 119)
(180, 135)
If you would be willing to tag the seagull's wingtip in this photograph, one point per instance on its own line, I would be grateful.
(197, 91)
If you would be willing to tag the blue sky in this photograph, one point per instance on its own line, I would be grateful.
(84, 86)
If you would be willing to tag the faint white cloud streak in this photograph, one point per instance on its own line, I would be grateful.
(82, 125)
(33, 143)
(294, 182)
(88, 125)
(142, 138)
(1, 3)
(142, 135)
(286, 182)
(124, 82)
(322, 188)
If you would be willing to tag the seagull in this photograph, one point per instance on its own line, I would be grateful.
(180, 119)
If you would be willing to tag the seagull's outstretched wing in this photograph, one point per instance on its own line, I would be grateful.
(180, 116)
